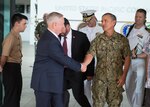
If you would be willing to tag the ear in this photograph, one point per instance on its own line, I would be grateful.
(16, 24)
(67, 26)
(54, 24)
(114, 22)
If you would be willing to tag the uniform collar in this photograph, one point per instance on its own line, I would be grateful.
(15, 33)
(114, 35)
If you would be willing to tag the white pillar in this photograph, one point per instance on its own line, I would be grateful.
(32, 19)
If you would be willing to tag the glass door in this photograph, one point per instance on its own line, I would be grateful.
(7, 8)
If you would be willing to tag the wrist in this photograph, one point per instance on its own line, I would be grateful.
(86, 64)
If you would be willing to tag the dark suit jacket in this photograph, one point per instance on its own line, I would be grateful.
(80, 45)
(48, 70)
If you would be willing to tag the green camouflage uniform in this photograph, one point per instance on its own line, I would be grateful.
(41, 27)
(110, 53)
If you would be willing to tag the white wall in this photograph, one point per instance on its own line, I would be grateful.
(32, 20)
(26, 34)
(123, 9)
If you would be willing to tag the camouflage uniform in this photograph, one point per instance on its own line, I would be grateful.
(41, 27)
(110, 53)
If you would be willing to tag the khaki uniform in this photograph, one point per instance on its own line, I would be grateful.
(110, 53)
(12, 77)
(41, 27)
(12, 47)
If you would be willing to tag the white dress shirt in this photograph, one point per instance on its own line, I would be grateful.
(138, 36)
(91, 31)
(69, 42)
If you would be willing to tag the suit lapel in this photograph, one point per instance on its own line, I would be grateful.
(53, 36)
(73, 47)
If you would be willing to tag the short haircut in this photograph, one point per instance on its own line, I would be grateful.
(142, 11)
(53, 16)
(66, 22)
(17, 18)
(113, 17)
(45, 15)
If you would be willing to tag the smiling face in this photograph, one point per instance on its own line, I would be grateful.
(91, 22)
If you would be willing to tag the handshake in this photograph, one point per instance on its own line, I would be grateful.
(83, 67)
(88, 58)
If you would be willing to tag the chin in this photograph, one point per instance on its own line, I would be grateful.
(22, 31)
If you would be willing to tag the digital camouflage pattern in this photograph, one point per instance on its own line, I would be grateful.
(110, 53)
(106, 92)
(41, 27)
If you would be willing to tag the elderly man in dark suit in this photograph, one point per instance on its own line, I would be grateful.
(77, 46)
(50, 60)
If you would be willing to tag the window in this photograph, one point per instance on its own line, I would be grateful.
(20, 8)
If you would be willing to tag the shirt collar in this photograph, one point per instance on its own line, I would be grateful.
(93, 26)
(143, 27)
(54, 34)
(69, 34)
(15, 33)
(114, 35)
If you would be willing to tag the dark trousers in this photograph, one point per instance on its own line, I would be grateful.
(12, 80)
(74, 81)
(66, 98)
(147, 98)
(48, 99)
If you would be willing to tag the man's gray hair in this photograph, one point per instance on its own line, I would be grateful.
(113, 17)
(53, 16)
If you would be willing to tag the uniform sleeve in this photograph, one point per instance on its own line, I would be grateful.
(7, 46)
(92, 49)
(146, 46)
(147, 38)
(90, 67)
(126, 48)
(38, 28)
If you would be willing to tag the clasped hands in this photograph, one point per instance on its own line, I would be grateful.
(83, 67)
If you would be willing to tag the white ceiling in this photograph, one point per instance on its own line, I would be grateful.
(22, 1)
